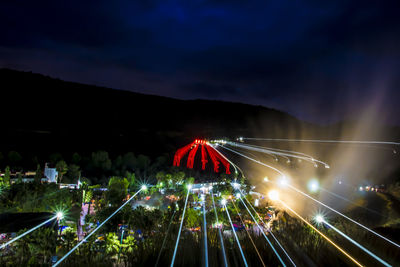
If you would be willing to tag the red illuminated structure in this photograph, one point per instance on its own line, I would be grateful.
(192, 148)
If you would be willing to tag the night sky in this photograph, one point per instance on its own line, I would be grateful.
(318, 60)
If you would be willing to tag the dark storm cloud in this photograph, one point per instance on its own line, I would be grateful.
(328, 54)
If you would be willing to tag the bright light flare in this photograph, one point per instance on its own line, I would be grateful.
(313, 185)
(344, 216)
(235, 185)
(321, 234)
(94, 231)
(180, 227)
(223, 202)
(357, 244)
(27, 232)
(266, 179)
(283, 181)
(189, 186)
(60, 215)
(236, 238)
(273, 195)
(319, 218)
(143, 187)
(238, 195)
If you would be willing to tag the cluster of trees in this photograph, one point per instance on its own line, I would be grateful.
(5, 179)
(33, 197)
(150, 235)
(96, 167)
(148, 240)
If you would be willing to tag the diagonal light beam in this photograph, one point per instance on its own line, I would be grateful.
(95, 230)
(180, 228)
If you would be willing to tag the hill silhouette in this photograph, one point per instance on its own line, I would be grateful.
(44, 114)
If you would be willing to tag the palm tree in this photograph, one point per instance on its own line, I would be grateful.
(129, 248)
(23, 249)
(46, 243)
(62, 169)
(68, 240)
(112, 244)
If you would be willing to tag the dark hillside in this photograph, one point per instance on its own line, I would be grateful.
(46, 114)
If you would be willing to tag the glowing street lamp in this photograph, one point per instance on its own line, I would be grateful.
(319, 218)
(283, 181)
(313, 185)
(60, 215)
(273, 195)
(235, 185)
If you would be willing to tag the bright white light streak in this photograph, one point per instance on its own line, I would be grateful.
(219, 232)
(95, 230)
(283, 150)
(180, 227)
(344, 216)
(262, 231)
(285, 155)
(319, 202)
(326, 141)
(357, 244)
(349, 201)
(283, 181)
(60, 215)
(320, 233)
(259, 162)
(272, 234)
(233, 164)
(222, 155)
(27, 232)
(237, 239)
(205, 234)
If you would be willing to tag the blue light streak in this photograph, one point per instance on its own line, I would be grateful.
(95, 230)
(266, 238)
(237, 239)
(180, 229)
(357, 244)
(284, 251)
(205, 234)
(219, 232)
(27, 232)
